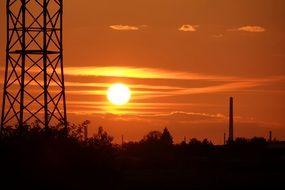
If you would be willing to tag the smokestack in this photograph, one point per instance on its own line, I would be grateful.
(270, 136)
(231, 120)
(225, 140)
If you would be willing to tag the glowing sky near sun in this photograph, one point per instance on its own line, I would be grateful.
(181, 59)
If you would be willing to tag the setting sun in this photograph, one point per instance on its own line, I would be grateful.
(119, 94)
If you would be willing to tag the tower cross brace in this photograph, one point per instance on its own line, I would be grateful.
(34, 89)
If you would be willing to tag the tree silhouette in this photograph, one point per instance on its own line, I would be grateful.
(102, 138)
(166, 138)
(241, 141)
(206, 142)
(259, 141)
(194, 141)
(152, 137)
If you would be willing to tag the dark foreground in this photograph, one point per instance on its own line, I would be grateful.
(41, 161)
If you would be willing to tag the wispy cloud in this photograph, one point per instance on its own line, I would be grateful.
(188, 28)
(157, 73)
(250, 28)
(208, 83)
(164, 88)
(186, 116)
(149, 93)
(106, 85)
(121, 27)
(163, 117)
(144, 73)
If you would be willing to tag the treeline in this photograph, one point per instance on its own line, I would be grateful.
(78, 133)
(64, 158)
(155, 144)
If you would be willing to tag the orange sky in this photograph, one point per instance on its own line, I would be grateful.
(182, 60)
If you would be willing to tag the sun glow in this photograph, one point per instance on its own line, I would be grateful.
(119, 94)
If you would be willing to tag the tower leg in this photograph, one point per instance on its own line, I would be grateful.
(34, 88)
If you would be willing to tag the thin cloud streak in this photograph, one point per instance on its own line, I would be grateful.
(225, 87)
(150, 116)
(136, 104)
(249, 28)
(131, 86)
(152, 73)
(155, 73)
(121, 27)
(236, 86)
(144, 107)
(143, 73)
(182, 113)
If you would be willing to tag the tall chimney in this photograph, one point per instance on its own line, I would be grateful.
(270, 136)
(231, 120)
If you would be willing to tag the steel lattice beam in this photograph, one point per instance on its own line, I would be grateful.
(34, 79)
